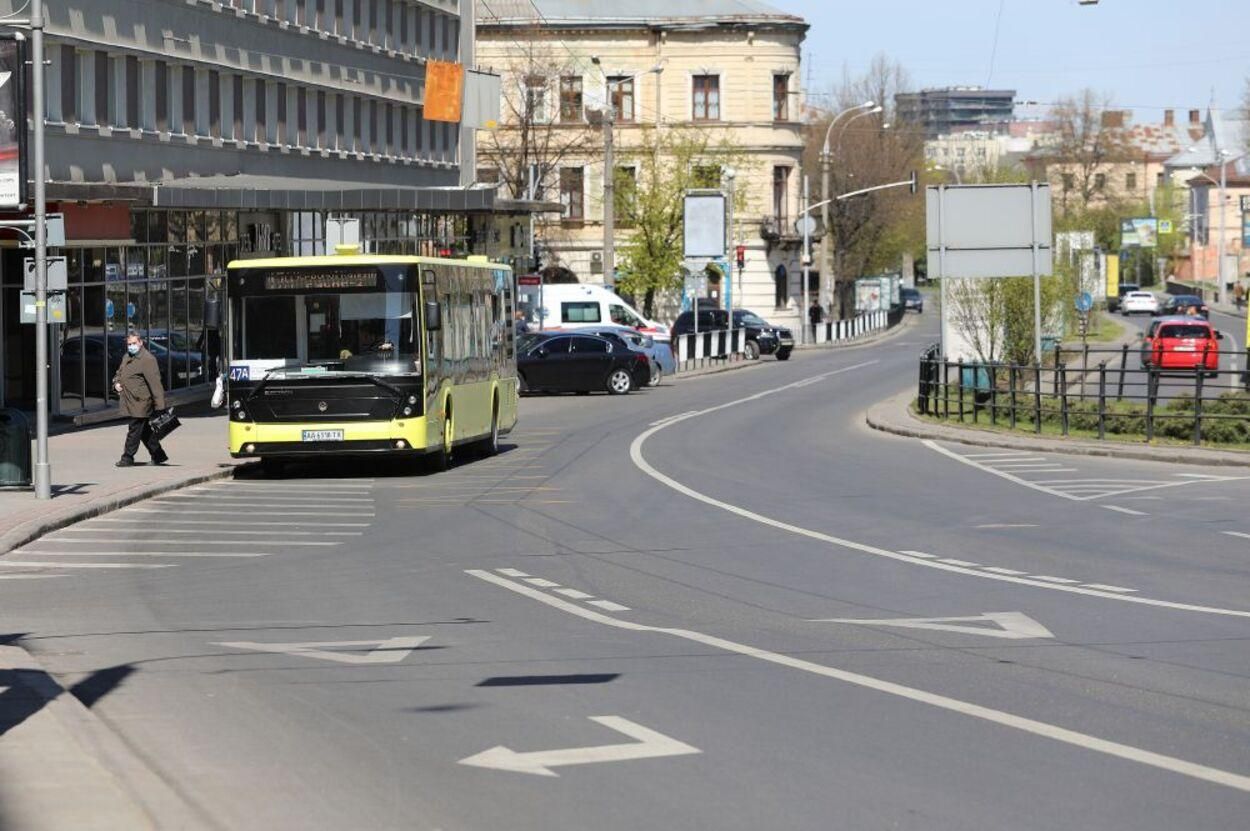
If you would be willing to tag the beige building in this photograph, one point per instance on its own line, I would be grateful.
(727, 67)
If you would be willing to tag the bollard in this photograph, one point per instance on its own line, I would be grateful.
(1102, 400)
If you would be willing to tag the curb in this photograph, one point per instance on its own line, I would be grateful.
(32, 529)
(894, 416)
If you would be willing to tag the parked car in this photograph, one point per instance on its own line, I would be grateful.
(560, 362)
(1113, 303)
(1178, 304)
(912, 299)
(762, 337)
(1139, 302)
(661, 354)
(1181, 343)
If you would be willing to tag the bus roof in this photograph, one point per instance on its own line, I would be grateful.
(360, 259)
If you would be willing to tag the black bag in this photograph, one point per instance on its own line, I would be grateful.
(163, 423)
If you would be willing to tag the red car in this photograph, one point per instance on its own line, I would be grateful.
(1181, 343)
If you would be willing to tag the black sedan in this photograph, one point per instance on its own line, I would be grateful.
(557, 362)
(912, 299)
(1179, 304)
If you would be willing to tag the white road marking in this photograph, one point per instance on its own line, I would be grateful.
(220, 532)
(1008, 525)
(1000, 570)
(1038, 728)
(212, 498)
(1078, 493)
(513, 572)
(959, 563)
(649, 745)
(635, 453)
(147, 522)
(990, 455)
(540, 581)
(384, 651)
(576, 594)
(921, 554)
(609, 605)
(1206, 476)
(249, 504)
(1064, 580)
(1243, 535)
(670, 418)
(1108, 588)
(29, 564)
(1008, 625)
(239, 512)
(28, 577)
(223, 554)
(1128, 511)
(115, 541)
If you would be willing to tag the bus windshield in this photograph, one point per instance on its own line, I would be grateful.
(288, 320)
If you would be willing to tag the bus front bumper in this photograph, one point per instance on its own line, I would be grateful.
(249, 440)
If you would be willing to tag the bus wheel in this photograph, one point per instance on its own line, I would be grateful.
(272, 468)
(442, 457)
(490, 444)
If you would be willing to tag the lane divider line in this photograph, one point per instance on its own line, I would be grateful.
(1043, 729)
(1128, 511)
(635, 453)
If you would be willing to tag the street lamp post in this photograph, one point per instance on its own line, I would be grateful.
(826, 245)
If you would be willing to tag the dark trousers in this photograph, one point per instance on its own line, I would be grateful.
(139, 431)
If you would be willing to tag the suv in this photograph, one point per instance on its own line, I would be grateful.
(763, 338)
(1113, 303)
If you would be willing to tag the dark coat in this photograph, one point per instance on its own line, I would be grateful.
(140, 378)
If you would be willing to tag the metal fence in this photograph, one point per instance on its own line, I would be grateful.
(1093, 392)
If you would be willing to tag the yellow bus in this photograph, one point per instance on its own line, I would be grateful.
(357, 355)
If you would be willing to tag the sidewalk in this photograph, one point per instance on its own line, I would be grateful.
(85, 482)
(894, 416)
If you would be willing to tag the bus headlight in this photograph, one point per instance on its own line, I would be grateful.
(238, 405)
(240, 415)
(407, 411)
(412, 399)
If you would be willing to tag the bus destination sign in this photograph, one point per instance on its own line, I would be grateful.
(304, 279)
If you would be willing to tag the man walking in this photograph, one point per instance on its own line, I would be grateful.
(138, 386)
(815, 316)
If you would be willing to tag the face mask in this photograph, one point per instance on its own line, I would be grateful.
(132, 348)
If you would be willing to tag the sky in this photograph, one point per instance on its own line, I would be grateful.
(1147, 55)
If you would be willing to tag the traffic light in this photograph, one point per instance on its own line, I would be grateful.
(741, 253)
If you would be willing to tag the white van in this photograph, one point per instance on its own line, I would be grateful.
(578, 306)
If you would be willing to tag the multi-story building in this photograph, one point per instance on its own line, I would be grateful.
(953, 109)
(184, 133)
(728, 69)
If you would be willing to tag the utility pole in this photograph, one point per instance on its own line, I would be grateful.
(807, 260)
(43, 469)
(826, 242)
(730, 175)
(609, 196)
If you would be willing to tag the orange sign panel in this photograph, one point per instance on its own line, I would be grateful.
(444, 91)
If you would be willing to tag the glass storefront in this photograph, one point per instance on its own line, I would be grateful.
(161, 283)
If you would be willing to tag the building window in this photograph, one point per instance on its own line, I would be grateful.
(570, 98)
(705, 176)
(781, 97)
(621, 94)
(69, 84)
(1100, 181)
(1069, 182)
(1130, 181)
(132, 92)
(488, 175)
(706, 98)
(188, 100)
(572, 193)
(781, 288)
(1160, 178)
(214, 104)
(535, 92)
(781, 195)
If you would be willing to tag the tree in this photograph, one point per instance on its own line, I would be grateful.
(542, 121)
(668, 163)
(868, 233)
(994, 315)
(1090, 140)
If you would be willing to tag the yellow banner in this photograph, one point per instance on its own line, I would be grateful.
(1113, 276)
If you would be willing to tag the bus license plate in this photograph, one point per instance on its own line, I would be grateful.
(323, 435)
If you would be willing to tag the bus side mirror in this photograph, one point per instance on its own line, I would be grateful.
(433, 316)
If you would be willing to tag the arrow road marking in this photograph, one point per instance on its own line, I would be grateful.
(1008, 625)
(386, 651)
(649, 745)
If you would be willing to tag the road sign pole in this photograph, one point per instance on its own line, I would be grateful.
(42, 468)
(807, 259)
(1037, 280)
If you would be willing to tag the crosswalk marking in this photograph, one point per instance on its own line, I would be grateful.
(305, 524)
(111, 541)
(254, 532)
(29, 564)
(29, 552)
